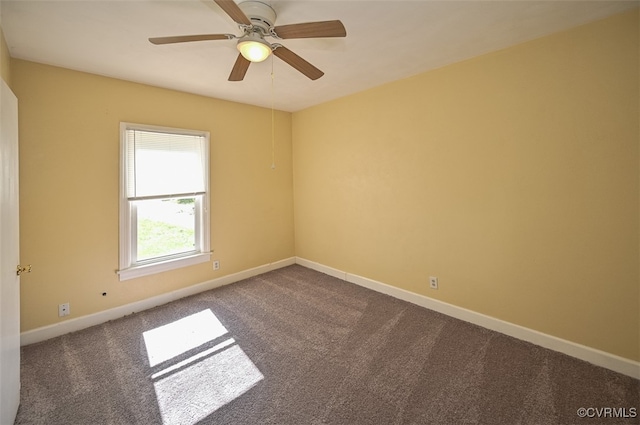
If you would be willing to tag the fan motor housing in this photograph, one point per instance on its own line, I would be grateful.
(260, 14)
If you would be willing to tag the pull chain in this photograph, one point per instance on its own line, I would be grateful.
(273, 120)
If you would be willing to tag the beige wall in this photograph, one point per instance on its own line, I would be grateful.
(69, 147)
(513, 177)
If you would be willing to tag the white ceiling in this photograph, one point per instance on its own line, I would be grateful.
(386, 41)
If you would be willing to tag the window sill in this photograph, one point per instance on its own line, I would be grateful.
(172, 264)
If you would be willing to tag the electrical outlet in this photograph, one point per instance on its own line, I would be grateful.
(433, 282)
(216, 264)
(63, 310)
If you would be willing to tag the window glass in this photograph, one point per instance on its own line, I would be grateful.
(165, 227)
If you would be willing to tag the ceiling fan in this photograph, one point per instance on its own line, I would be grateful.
(256, 20)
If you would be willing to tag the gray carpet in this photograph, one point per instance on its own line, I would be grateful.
(295, 346)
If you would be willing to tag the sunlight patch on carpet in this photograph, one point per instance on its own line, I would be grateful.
(191, 389)
(168, 341)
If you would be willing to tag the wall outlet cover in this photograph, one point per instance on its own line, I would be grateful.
(63, 310)
(433, 282)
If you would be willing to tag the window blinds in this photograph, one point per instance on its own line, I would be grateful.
(164, 164)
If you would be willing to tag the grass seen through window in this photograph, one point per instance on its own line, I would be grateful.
(165, 227)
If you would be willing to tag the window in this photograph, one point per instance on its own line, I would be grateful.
(164, 199)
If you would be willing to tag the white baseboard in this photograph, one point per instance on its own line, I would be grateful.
(597, 357)
(79, 323)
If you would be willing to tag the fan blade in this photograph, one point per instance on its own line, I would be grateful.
(311, 30)
(239, 69)
(186, 38)
(298, 63)
(231, 8)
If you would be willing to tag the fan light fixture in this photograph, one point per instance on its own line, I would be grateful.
(254, 48)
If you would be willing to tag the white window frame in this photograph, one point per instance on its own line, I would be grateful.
(129, 269)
